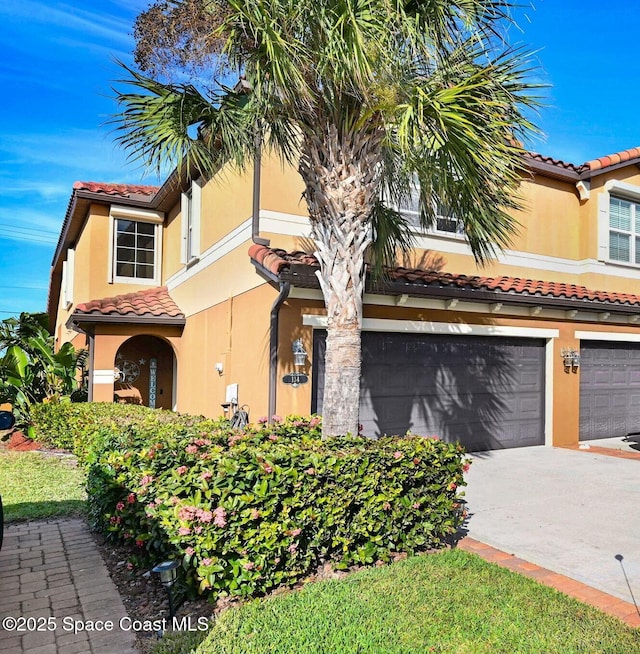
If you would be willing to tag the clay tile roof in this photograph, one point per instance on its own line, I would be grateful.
(154, 302)
(121, 190)
(554, 162)
(277, 261)
(612, 159)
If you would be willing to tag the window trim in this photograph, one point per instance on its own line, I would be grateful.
(191, 210)
(615, 189)
(155, 218)
(432, 231)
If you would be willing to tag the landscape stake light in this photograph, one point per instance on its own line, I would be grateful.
(168, 571)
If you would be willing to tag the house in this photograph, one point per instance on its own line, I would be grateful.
(190, 296)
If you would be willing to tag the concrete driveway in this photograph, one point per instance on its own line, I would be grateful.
(573, 512)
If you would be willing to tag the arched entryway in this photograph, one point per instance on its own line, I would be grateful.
(144, 367)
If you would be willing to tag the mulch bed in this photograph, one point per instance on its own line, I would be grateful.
(20, 443)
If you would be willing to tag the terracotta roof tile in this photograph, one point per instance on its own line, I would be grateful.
(612, 159)
(152, 302)
(122, 190)
(554, 162)
(276, 260)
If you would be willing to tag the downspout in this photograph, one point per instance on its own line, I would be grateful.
(91, 337)
(285, 289)
(255, 212)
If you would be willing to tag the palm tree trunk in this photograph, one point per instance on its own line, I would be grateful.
(340, 172)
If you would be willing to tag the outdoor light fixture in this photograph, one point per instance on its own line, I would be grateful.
(570, 359)
(299, 353)
(168, 571)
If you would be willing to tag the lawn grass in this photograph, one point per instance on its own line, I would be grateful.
(449, 602)
(34, 486)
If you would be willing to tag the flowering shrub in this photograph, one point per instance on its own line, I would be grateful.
(250, 511)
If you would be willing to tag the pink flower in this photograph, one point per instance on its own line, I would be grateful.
(131, 498)
(249, 565)
(310, 471)
(204, 516)
(267, 468)
(181, 470)
(255, 514)
(184, 531)
(126, 535)
(397, 455)
(435, 438)
(197, 530)
(129, 566)
(386, 506)
(119, 506)
(416, 461)
(186, 513)
(206, 475)
(293, 547)
(275, 418)
(207, 562)
(416, 505)
(191, 449)
(452, 486)
(220, 517)
(273, 437)
(466, 466)
(140, 543)
(189, 551)
(295, 532)
(263, 420)
(314, 422)
(146, 480)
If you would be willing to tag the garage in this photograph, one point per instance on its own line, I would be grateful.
(609, 389)
(483, 391)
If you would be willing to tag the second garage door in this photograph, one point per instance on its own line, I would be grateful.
(609, 389)
(485, 392)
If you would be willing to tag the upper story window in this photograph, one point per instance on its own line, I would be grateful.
(135, 249)
(137, 237)
(446, 221)
(191, 210)
(624, 230)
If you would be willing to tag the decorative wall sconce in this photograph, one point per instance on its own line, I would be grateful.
(570, 359)
(299, 353)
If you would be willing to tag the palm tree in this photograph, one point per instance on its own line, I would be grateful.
(369, 99)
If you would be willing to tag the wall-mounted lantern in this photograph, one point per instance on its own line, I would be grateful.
(570, 359)
(299, 353)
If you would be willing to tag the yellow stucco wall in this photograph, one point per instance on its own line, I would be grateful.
(227, 304)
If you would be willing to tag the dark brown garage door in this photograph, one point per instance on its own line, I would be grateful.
(609, 389)
(485, 392)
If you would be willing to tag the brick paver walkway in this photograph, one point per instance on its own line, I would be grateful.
(625, 611)
(53, 583)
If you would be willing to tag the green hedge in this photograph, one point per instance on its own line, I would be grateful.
(247, 512)
(87, 427)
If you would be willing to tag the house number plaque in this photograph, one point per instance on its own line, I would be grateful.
(153, 382)
(295, 379)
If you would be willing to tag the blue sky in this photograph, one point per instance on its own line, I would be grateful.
(57, 69)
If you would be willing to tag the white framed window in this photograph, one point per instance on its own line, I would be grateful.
(136, 246)
(446, 222)
(191, 208)
(624, 230)
(135, 250)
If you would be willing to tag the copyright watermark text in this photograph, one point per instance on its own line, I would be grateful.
(73, 625)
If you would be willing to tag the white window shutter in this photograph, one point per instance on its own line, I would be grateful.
(184, 210)
(603, 227)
